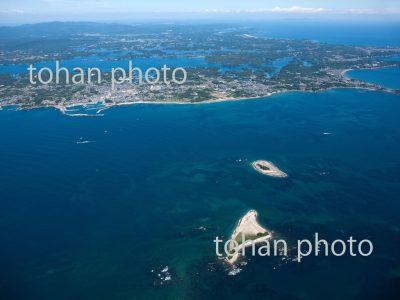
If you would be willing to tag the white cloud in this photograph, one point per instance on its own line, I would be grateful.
(292, 9)
(372, 11)
(215, 10)
(277, 9)
(308, 10)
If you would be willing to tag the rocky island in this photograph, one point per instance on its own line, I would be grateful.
(247, 232)
(268, 168)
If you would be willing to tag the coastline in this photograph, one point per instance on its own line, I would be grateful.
(64, 108)
(343, 73)
(248, 225)
(268, 168)
(64, 111)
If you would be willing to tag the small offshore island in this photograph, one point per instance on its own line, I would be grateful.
(268, 168)
(247, 232)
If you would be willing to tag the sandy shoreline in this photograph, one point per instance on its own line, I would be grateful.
(248, 226)
(266, 167)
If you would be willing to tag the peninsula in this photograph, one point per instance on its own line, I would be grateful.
(223, 63)
(268, 168)
(247, 232)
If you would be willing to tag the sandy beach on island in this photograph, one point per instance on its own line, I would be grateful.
(254, 233)
(268, 168)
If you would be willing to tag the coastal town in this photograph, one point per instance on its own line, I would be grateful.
(221, 65)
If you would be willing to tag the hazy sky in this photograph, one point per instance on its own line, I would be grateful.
(37, 10)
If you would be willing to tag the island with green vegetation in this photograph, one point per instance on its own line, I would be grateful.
(268, 168)
(248, 232)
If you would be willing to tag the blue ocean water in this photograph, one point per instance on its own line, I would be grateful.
(278, 64)
(365, 33)
(387, 77)
(95, 208)
(92, 221)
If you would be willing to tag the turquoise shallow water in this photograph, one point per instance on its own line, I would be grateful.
(91, 221)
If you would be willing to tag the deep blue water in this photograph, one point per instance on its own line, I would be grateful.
(91, 221)
(100, 220)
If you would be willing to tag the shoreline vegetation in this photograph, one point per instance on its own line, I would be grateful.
(268, 168)
(248, 232)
